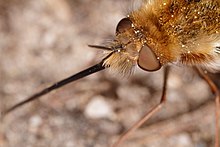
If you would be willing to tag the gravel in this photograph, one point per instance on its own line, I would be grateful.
(44, 41)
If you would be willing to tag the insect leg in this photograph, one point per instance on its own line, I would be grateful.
(148, 115)
(216, 92)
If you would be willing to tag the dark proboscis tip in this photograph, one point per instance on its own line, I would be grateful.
(93, 69)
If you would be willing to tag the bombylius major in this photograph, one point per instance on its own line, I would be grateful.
(157, 34)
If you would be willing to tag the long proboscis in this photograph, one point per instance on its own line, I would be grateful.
(82, 74)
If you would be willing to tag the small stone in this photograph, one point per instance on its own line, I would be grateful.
(98, 108)
(181, 140)
(34, 123)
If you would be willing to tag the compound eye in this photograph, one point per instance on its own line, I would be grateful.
(147, 60)
(124, 25)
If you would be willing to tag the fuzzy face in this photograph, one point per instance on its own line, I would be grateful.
(174, 31)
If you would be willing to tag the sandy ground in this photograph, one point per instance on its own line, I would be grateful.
(44, 41)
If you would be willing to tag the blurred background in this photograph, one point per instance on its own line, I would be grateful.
(44, 41)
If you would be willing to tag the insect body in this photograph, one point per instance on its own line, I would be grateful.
(174, 31)
(158, 33)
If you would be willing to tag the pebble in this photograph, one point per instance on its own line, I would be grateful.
(98, 107)
(34, 122)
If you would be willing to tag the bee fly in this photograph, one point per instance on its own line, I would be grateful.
(160, 32)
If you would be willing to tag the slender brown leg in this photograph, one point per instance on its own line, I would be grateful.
(215, 91)
(154, 110)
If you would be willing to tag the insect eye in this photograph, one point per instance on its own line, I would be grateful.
(147, 59)
(124, 25)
